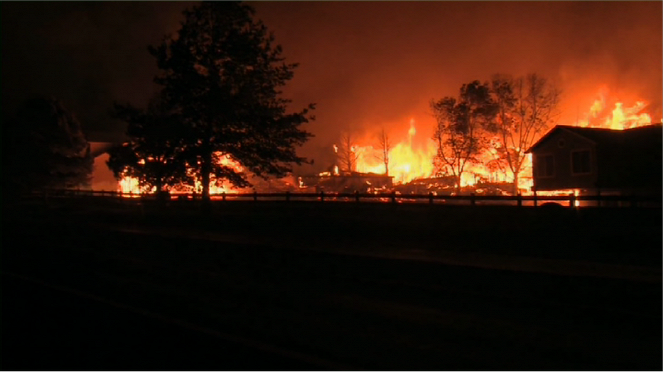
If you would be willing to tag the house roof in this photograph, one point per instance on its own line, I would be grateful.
(601, 136)
(627, 158)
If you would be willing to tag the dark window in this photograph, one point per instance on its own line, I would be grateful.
(580, 162)
(544, 166)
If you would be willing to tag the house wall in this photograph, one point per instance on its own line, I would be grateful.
(560, 145)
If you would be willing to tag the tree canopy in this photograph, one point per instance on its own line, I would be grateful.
(44, 147)
(462, 127)
(222, 75)
(153, 154)
(527, 106)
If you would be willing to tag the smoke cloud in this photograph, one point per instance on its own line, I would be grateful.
(366, 65)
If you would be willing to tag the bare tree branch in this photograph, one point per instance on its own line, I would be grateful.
(527, 108)
(346, 153)
(385, 148)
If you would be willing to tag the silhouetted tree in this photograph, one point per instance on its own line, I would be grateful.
(347, 154)
(385, 147)
(223, 74)
(44, 147)
(527, 108)
(155, 152)
(462, 125)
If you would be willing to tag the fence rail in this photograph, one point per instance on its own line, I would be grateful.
(570, 200)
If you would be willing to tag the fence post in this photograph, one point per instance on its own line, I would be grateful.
(535, 199)
(223, 196)
(287, 196)
(472, 199)
(572, 200)
(598, 197)
(393, 197)
(430, 197)
(357, 196)
(520, 200)
(322, 196)
(255, 196)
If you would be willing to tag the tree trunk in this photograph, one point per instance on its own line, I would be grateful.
(515, 183)
(159, 191)
(206, 170)
(458, 184)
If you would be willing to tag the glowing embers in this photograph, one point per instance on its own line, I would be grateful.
(568, 192)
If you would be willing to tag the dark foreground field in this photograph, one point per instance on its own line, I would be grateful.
(100, 285)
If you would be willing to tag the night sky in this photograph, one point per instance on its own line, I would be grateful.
(366, 65)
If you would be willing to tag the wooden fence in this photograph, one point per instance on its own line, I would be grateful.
(570, 200)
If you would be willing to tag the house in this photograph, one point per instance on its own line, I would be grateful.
(596, 160)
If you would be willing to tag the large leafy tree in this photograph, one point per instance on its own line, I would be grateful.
(154, 152)
(223, 74)
(463, 126)
(527, 107)
(44, 147)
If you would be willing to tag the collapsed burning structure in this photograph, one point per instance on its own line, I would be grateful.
(411, 169)
(413, 173)
(348, 182)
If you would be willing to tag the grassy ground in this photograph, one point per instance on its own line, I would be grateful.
(623, 236)
(364, 312)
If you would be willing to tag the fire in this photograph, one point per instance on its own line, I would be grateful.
(618, 118)
(410, 160)
(406, 162)
(130, 185)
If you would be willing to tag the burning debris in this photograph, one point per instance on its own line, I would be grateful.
(410, 166)
(349, 182)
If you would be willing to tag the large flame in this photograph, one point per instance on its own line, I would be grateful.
(406, 161)
(618, 118)
(410, 160)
